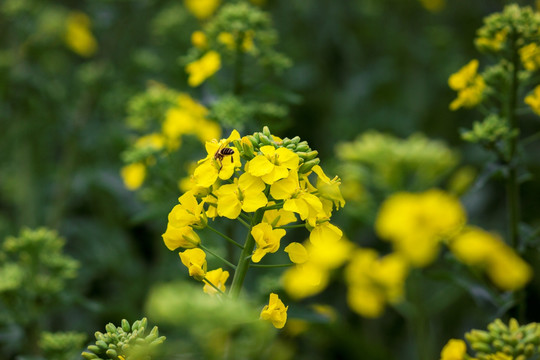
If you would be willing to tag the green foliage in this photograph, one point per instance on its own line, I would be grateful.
(125, 342)
(61, 345)
(35, 274)
(489, 132)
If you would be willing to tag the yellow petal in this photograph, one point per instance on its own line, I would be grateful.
(297, 253)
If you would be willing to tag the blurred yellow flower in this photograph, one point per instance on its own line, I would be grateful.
(530, 56)
(476, 247)
(533, 100)
(202, 9)
(495, 43)
(417, 223)
(195, 261)
(275, 311)
(325, 232)
(469, 85)
(364, 301)
(433, 5)
(154, 141)
(229, 40)
(203, 68)
(133, 175)
(267, 240)
(199, 40)
(297, 253)
(455, 349)
(218, 278)
(78, 36)
(304, 280)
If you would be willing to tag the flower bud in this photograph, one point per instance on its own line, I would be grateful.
(307, 166)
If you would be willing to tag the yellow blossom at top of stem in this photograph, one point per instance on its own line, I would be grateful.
(78, 36)
(210, 168)
(195, 261)
(455, 349)
(218, 278)
(297, 253)
(275, 312)
(202, 9)
(530, 56)
(273, 164)
(203, 68)
(267, 240)
(533, 100)
(469, 85)
(133, 175)
(246, 193)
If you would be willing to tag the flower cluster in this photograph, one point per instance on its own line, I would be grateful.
(78, 36)
(469, 85)
(499, 342)
(417, 225)
(165, 116)
(270, 185)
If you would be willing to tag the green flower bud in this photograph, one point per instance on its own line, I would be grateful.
(266, 131)
(478, 346)
(498, 344)
(307, 166)
(110, 328)
(102, 344)
(125, 325)
(529, 350)
(111, 354)
(89, 356)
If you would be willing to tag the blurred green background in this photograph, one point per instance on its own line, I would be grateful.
(357, 65)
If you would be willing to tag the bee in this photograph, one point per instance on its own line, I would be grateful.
(221, 153)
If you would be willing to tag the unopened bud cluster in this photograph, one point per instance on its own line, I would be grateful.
(124, 340)
(518, 342)
(248, 150)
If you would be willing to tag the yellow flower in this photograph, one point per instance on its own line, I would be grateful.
(495, 43)
(202, 9)
(195, 261)
(530, 56)
(469, 85)
(278, 217)
(178, 121)
(273, 164)
(533, 100)
(78, 36)
(133, 175)
(374, 281)
(329, 188)
(304, 280)
(275, 311)
(267, 240)
(218, 278)
(246, 193)
(476, 247)
(297, 253)
(154, 141)
(229, 40)
(188, 213)
(455, 349)
(433, 5)
(183, 237)
(325, 232)
(417, 223)
(329, 253)
(199, 39)
(209, 169)
(203, 68)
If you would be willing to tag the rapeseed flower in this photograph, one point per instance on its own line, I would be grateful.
(469, 85)
(180, 237)
(494, 43)
(297, 253)
(305, 280)
(229, 40)
(417, 223)
(218, 278)
(273, 164)
(202, 9)
(267, 240)
(199, 39)
(476, 247)
(246, 193)
(195, 261)
(533, 100)
(530, 56)
(275, 312)
(278, 217)
(188, 213)
(78, 36)
(203, 68)
(455, 349)
(133, 175)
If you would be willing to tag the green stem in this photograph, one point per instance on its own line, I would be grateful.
(512, 184)
(244, 223)
(295, 226)
(225, 237)
(217, 256)
(239, 65)
(212, 285)
(244, 260)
